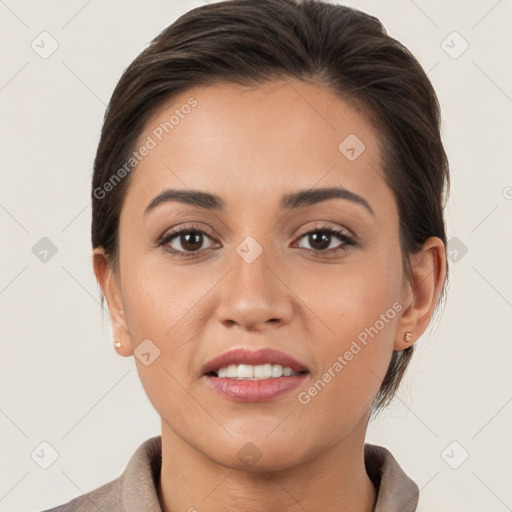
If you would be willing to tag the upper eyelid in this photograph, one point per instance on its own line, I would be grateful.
(168, 236)
(319, 226)
(301, 231)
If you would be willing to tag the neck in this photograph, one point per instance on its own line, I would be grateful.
(333, 480)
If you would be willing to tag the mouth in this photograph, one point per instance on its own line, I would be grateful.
(241, 363)
(247, 376)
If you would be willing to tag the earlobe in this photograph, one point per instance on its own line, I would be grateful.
(112, 293)
(421, 293)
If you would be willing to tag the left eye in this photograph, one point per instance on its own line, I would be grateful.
(322, 238)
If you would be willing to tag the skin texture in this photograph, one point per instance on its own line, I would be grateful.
(250, 147)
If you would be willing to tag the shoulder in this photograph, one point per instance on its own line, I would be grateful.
(106, 497)
(135, 489)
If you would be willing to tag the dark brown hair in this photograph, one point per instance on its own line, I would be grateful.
(249, 42)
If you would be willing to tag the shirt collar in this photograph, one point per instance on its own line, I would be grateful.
(395, 490)
(140, 480)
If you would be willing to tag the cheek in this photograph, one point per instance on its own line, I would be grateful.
(159, 295)
(170, 305)
(350, 299)
(359, 309)
(162, 304)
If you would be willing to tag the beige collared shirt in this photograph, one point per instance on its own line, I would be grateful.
(136, 490)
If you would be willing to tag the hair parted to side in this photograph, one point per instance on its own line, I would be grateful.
(251, 43)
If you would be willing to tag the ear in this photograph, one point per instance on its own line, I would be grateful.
(420, 294)
(112, 292)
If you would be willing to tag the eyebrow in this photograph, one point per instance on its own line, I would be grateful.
(291, 201)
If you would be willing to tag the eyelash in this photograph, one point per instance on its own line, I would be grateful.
(348, 242)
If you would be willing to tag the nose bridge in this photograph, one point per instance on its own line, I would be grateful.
(251, 267)
(254, 296)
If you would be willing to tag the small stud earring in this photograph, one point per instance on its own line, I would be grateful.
(407, 336)
(118, 343)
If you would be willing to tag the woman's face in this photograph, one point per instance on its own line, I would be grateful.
(255, 275)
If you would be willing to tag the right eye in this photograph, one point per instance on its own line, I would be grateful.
(185, 242)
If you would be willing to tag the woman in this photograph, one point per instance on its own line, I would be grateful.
(268, 234)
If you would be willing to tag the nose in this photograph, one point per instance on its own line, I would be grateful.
(254, 297)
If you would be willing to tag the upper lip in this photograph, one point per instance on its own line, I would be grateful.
(258, 357)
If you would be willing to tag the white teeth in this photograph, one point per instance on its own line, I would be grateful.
(259, 372)
(277, 370)
(232, 371)
(263, 371)
(245, 371)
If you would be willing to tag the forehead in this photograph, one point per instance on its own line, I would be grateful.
(246, 144)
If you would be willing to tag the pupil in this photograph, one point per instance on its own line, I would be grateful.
(324, 243)
(193, 240)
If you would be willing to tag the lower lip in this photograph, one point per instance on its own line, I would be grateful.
(254, 390)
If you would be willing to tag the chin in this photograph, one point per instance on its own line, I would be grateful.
(257, 454)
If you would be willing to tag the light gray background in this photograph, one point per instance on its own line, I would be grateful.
(61, 380)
